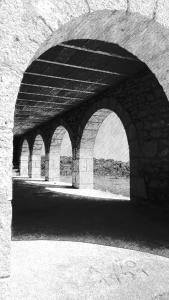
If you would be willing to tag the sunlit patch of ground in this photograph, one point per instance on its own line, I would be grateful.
(57, 270)
(66, 189)
(89, 193)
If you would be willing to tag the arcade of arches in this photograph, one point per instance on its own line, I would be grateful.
(65, 68)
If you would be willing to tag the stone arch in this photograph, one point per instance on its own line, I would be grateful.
(55, 152)
(83, 154)
(37, 152)
(131, 31)
(87, 147)
(24, 159)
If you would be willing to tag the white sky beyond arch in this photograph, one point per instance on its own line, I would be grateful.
(111, 141)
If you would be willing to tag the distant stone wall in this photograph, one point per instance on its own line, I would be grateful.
(102, 167)
(110, 167)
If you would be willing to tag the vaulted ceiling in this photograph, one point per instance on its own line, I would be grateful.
(68, 74)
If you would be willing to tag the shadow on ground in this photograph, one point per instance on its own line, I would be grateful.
(42, 214)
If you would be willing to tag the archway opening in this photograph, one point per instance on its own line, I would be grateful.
(60, 156)
(38, 158)
(111, 157)
(104, 154)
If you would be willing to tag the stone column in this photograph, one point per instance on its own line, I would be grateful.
(36, 166)
(54, 167)
(24, 166)
(82, 168)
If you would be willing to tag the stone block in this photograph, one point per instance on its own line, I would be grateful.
(138, 188)
(5, 235)
(108, 4)
(143, 7)
(5, 291)
(150, 148)
(162, 11)
(131, 132)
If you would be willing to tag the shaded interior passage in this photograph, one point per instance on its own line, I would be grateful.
(39, 213)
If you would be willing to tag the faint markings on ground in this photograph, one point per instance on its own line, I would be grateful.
(163, 296)
(113, 275)
(122, 271)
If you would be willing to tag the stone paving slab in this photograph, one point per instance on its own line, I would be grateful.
(68, 271)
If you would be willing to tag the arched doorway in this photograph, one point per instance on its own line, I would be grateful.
(60, 155)
(88, 150)
(38, 158)
(111, 165)
(24, 159)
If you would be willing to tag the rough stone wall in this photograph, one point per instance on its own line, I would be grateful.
(148, 107)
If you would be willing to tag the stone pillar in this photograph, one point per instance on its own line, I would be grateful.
(24, 166)
(54, 154)
(82, 168)
(54, 167)
(36, 166)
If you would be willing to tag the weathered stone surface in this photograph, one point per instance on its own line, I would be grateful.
(162, 9)
(143, 7)
(139, 192)
(5, 290)
(107, 4)
(72, 270)
(150, 148)
(131, 132)
(5, 235)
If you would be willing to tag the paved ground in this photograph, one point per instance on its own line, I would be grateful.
(50, 262)
(51, 270)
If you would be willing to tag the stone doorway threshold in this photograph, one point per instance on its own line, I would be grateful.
(62, 270)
